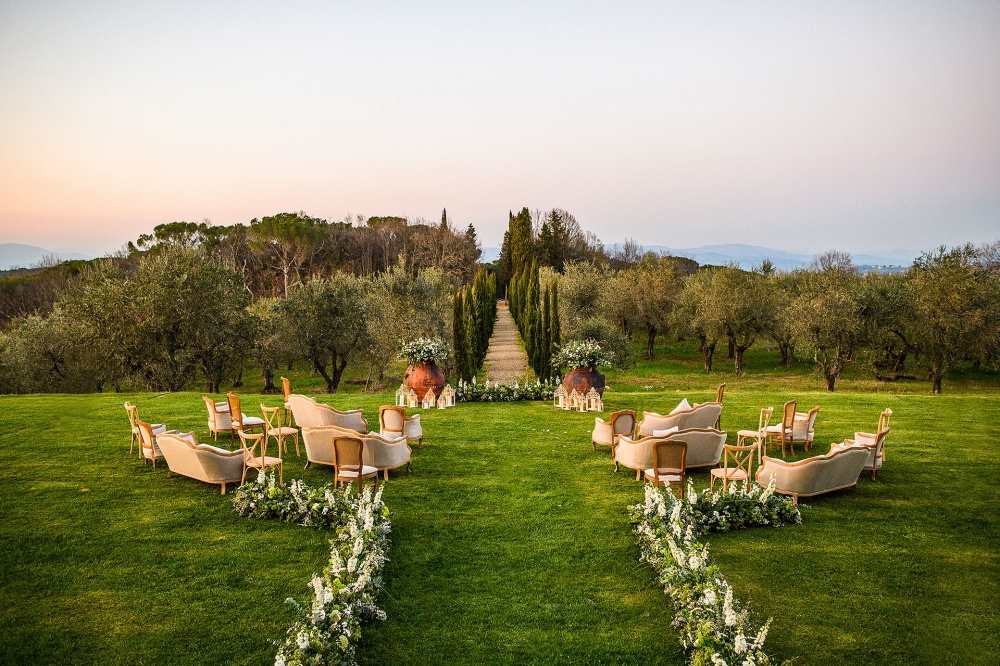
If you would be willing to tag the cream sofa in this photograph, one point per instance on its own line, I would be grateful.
(817, 475)
(382, 453)
(185, 456)
(704, 447)
(702, 416)
(308, 414)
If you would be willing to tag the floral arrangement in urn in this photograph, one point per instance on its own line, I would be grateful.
(583, 357)
(581, 354)
(424, 350)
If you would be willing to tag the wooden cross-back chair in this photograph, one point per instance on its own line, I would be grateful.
(286, 390)
(758, 436)
(274, 428)
(348, 462)
(782, 432)
(251, 460)
(719, 392)
(668, 465)
(741, 467)
(240, 421)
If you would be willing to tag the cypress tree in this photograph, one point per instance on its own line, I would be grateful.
(556, 339)
(461, 341)
(546, 346)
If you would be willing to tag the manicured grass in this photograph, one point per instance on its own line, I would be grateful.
(510, 542)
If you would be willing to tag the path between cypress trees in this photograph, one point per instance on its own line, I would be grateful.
(506, 361)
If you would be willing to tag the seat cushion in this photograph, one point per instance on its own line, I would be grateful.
(665, 433)
(747, 433)
(268, 461)
(666, 476)
(777, 428)
(252, 421)
(350, 473)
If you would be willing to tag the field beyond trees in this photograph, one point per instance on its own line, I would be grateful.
(510, 542)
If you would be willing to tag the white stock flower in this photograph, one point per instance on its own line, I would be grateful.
(727, 608)
(352, 564)
(740, 644)
(302, 640)
(279, 660)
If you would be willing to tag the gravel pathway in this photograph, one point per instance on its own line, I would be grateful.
(506, 361)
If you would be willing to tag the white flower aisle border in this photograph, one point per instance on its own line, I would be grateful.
(473, 391)
(343, 596)
(712, 626)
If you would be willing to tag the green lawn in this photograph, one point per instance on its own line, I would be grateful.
(510, 539)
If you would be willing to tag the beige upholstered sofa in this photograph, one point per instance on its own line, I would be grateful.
(705, 415)
(816, 475)
(704, 448)
(185, 456)
(383, 453)
(308, 414)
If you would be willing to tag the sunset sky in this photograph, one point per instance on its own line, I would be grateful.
(802, 126)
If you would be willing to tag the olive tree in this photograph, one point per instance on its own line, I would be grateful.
(744, 305)
(697, 314)
(331, 327)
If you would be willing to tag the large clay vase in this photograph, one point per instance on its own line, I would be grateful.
(583, 379)
(424, 376)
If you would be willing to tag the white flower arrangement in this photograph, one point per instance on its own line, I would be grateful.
(343, 596)
(424, 350)
(581, 354)
(712, 626)
(472, 391)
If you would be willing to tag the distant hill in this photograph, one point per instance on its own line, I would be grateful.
(16, 255)
(748, 256)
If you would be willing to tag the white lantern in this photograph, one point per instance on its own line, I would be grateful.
(594, 403)
(429, 399)
(401, 396)
(411, 399)
(559, 397)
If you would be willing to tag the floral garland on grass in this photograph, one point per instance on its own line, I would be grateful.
(712, 626)
(475, 392)
(328, 625)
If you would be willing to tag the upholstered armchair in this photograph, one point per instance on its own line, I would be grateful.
(218, 417)
(606, 433)
(393, 422)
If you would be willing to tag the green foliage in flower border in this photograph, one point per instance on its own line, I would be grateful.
(744, 505)
(475, 392)
(712, 626)
(328, 625)
(424, 350)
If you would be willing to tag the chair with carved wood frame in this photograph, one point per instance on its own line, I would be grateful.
(668, 465)
(249, 442)
(133, 417)
(782, 432)
(606, 433)
(392, 422)
(274, 428)
(218, 417)
(348, 457)
(241, 422)
(740, 470)
(804, 428)
(147, 442)
(874, 443)
(758, 436)
(719, 392)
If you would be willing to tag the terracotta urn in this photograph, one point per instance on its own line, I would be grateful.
(425, 376)
(583, 379)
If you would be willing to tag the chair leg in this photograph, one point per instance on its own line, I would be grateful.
(244, 479)
(638, 475)
(307, 467)
(593, 445)
(281, 473)
(223, 490)
(297, 454)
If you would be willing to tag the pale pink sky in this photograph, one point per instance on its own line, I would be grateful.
(861, 126)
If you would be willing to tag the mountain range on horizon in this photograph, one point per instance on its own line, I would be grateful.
(749, 256)
(18, 255)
